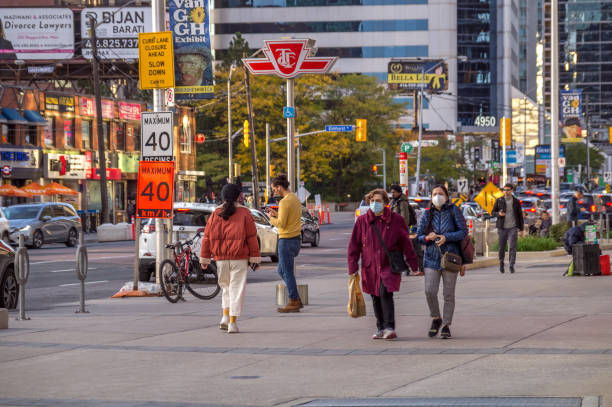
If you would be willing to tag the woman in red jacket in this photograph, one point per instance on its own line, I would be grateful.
(231, 239)
(376, 276)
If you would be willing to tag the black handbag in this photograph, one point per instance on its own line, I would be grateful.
(396, 257)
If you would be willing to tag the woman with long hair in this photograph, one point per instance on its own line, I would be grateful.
(231, 239)
(441, 229)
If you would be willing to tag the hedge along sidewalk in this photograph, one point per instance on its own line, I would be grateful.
(493, 260)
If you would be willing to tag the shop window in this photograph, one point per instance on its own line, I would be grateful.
(185, 136)
(120, 136)
(69, 133)
(119, 196)
(86, 126)
(50, 132)
(30, 135)
(5, 131)
(136, 135)
(106, 129)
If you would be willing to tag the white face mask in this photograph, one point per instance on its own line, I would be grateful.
(438, 200)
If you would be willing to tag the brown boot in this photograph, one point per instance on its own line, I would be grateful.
(292, 306)
(300, 302)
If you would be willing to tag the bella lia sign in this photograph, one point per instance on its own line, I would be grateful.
(289, 58)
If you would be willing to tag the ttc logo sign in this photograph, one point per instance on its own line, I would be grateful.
(288, 59)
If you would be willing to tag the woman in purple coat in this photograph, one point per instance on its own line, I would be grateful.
(376, 276)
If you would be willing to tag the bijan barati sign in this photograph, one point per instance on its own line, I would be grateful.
(36, 33)
(117, 34)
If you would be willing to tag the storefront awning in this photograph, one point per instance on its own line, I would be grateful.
(34, 118)
(12, 116)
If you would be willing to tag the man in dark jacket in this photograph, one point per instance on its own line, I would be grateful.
(400, 204)
(573, 208)
(573, 236)
(510, 221)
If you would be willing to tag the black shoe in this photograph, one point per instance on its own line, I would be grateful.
(511, 269)
(501, 268)
(445, 334)
(435, 327)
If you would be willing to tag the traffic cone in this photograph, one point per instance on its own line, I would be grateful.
(471, 228)
(321, 216)
(328, 218)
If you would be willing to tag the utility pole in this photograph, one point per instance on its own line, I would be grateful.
(418, 165)
(252, 142)
(101, 148)
(525, 144)
(554, 108)
(230, 147)
(588, 149)
(268, 161)
(298, 148)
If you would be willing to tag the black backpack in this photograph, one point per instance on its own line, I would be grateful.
(413, 215)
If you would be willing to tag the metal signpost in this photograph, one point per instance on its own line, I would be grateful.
(22, 272)
(289, 58)
(82, 263)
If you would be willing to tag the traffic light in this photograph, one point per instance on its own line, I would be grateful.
(610, 134)
(375, 169)
(246, 133)
(505, 132)
(362, 130)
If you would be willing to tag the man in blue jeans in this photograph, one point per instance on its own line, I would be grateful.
(288, 220)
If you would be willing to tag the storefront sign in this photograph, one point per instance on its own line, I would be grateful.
(117, 34)
(87, 107)
(112, 174)
(59, 103)
(36, 33)
(129, 111)
(20, 158)
(65, 166)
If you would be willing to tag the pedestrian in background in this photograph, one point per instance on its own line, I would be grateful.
(509, 222)
(288, 220)
(401, 205)
(230, 238)
(376, 276)
(574, 209)
(441, 229)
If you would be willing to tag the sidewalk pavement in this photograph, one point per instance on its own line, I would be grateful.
(530, 334)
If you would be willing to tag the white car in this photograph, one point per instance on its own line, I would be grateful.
(4, 227)
(188, 219)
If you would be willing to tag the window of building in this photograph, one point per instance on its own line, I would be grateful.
(120, 134)
(50, 132)
(5, 130)
(86, 127)
(136, 136)
(311, 3)
(323, 26)
(69, 133)
(106, 129)
(30, 135)
(185, 136)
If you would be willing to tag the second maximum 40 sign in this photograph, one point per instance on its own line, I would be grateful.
(157, 137)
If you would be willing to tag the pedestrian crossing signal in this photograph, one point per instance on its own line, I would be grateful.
(362, 130)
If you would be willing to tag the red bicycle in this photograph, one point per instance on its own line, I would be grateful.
(185, 271)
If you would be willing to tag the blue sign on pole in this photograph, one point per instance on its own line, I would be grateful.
(289, 112)
(340, 127)
(510, 156)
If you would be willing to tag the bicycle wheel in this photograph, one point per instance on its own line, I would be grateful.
(171, 281)
(203, 284)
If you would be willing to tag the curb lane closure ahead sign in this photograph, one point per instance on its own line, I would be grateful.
(157, 137)
(155, 189)
(156, 60)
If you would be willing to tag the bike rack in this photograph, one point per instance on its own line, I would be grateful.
(82, 263)
(22, 272)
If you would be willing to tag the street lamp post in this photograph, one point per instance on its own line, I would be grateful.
(554, 108)
(230, 152)
(384, 154)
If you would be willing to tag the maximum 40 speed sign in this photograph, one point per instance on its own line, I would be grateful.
(157, 138)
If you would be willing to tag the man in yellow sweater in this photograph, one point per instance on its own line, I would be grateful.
(288, 220)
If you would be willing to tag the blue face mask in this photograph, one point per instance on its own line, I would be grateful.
(376, 207)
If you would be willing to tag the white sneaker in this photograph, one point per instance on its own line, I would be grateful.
(223, 323)
(232, 328)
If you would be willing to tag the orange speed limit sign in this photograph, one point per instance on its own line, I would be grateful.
(155, 189)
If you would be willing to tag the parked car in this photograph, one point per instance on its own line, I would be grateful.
(4, 227)
(50, 222)
(310, 229)
(9, 290)
(469, 213)
(188, 219)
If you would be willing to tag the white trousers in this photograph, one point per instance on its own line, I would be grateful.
(232, 275)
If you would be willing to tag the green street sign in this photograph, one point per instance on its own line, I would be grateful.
(407, 148)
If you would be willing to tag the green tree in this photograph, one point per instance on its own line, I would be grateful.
(443, 162)
(575, 154)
